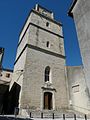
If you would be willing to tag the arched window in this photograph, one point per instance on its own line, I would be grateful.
(47, 74)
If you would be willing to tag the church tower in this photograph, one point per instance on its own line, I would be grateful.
(40, 63)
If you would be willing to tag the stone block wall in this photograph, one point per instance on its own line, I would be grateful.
(32, 93)
(78, 89)
(81, 14)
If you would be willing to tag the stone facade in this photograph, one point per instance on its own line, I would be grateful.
(5, 78)
(78, 90)
(81, 15)
(41, 45)
(41, 81)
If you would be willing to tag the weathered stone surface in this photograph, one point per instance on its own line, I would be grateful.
(36, 63)
(78, 90)
(81, 13)
(33, 56)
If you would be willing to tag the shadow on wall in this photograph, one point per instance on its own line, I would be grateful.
(10, 100)
(4, 89)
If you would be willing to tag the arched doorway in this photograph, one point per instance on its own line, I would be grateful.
(48, 100)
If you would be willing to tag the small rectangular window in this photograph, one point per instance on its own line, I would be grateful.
(8, 75)
(47, 44)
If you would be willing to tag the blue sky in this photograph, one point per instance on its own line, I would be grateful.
(13, 14)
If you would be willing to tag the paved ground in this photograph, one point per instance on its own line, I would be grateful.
(13, 118)
(56, 119)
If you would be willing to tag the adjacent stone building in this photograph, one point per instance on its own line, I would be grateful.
(78, 90)
(5, 79)
(80, 11)
(39, 68)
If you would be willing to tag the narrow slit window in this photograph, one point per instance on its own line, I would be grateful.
(47, 24)
(48, 45)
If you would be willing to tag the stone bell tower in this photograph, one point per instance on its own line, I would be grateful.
(39, 67)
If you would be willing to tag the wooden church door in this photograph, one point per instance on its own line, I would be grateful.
(48, 100)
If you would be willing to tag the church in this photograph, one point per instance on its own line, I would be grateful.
(40, 80)
(39, 67)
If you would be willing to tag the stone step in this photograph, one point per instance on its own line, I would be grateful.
(56, 115)
(51, 114)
